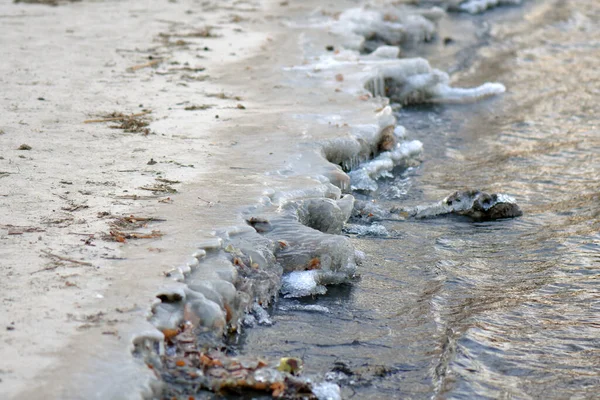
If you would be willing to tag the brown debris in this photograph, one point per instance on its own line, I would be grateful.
(19, 230)
(61, 258)
(129, 221)
(160, 188)
(133, 123)
(150, 63)
(121, 237)
(198, 107)
(137, 197)
(196, 368)
(169, 181)
(387, 140)
(58, 261)
(223, 96)
(119, 223)
(315, 263)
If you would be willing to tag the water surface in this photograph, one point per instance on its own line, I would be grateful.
(450, 308)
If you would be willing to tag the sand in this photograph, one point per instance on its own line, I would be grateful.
(208, 78)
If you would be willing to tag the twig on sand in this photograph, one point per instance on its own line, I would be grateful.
(162, 187)
(19, 230)
(57, 262)
(210, 203)
(145, 65)
(61, 258)
(90, 121)
(137, 197)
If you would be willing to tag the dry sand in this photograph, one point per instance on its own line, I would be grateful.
(73, 296)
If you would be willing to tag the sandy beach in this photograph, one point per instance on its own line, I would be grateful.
(130, 131)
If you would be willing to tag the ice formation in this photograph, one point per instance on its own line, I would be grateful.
(365, 177)
(366, 230)
(366, 28)
(403, 81)
(301, 284)
(305, 307)
(478, 6)
(291, 243)
(480, 206)
(413, 80)
(327, 391)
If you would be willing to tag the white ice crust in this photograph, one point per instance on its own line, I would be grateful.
(392, 25)
(478, 6)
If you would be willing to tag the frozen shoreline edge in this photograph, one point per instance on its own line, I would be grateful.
(215, 300)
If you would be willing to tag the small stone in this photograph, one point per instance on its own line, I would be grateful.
(24, 147)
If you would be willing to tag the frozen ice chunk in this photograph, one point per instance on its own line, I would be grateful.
(477, 6)
(301, 284)
(327, 391)
(261, 315)
(364, 178)
(305, 307)
(325, 215)
(368, 211)
(386, 52)
(366, 230)
(449, 94)
(391, 26)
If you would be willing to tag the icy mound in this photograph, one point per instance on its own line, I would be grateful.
(391, 26)
(367, 140)
(478, 6)
(411, 81)
(480, 206)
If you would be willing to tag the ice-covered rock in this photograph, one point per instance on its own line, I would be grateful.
(366, 230)
(479, 206)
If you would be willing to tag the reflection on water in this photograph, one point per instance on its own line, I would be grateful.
(456, 309)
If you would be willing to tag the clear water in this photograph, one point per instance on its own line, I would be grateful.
(448, 308)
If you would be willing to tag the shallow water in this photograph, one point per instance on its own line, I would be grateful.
(455, 309)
